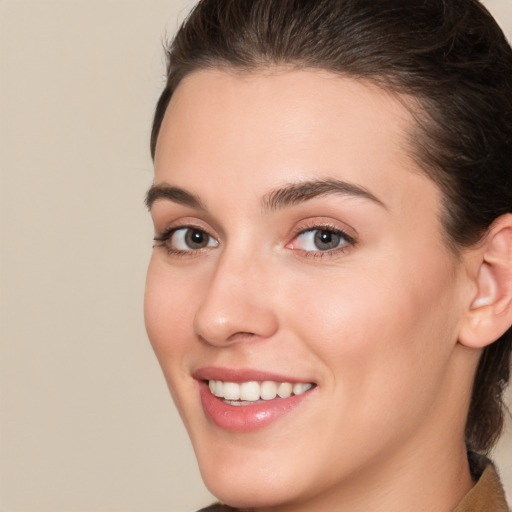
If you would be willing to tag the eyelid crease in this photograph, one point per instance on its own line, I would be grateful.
(186, 222)
(316, 224)
(349, 240)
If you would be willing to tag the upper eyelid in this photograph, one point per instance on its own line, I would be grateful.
(167, 214)
(349, 240)
(170, 228)
(327, 224)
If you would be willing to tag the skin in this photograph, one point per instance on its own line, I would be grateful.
(374, 324)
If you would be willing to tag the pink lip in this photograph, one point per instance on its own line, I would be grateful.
(244, 418)
(241, 375)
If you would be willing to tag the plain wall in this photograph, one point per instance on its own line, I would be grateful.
(87, 423)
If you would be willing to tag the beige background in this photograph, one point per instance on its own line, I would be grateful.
(86, 420)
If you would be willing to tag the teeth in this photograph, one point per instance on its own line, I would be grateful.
(219, 388)
(298, 389)
(285, 390)
(231, 391)
(268, 390)
(253, 391)
(249, 391)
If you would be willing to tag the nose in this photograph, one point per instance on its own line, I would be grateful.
(236, 304)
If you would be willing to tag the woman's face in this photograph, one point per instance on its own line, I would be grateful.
(297, 244)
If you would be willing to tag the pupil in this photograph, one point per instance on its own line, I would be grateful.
(196, 238)
(325, 240)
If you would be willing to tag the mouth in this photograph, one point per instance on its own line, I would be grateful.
(247, 400)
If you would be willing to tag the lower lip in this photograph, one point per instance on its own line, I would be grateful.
(245, 418)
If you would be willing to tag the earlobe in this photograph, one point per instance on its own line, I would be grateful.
(490, 312)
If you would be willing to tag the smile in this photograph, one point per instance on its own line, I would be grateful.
(249, 400)
(247, 393)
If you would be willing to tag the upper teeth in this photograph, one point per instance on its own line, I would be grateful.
(253, 391)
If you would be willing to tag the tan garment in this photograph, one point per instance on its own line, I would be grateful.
(487, 495)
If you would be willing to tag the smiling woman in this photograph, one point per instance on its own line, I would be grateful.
(330, 292)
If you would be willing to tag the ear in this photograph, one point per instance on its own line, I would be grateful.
(490, 311)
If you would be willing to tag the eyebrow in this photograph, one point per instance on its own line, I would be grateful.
(282, 197)
(174, 194)
(304, 191)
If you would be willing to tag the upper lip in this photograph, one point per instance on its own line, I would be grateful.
(241, 375)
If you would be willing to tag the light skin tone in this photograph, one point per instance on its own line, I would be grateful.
(296, 235)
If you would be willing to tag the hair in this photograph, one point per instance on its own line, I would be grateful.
(448, 56)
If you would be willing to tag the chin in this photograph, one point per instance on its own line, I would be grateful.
(247, 492)
(251, 484)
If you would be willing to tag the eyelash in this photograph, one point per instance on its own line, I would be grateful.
(348, 241)
(163, 239)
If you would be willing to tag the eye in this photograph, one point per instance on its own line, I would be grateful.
(320, 240)
(186, 239)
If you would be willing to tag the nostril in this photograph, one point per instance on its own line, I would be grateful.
(239, 336)
(233, 338)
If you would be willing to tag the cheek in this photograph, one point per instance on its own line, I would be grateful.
(384, 334)
(168, 304)
(362, 333)
(168, 312)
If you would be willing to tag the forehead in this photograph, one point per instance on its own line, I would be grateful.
(286, 103)
(252, 131)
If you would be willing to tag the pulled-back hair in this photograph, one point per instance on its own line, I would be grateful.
(449, 56)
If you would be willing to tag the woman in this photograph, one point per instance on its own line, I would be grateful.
(330, 292)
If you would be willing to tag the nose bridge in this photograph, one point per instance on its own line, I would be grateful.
(236, 304)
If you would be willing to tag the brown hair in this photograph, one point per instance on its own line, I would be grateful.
(450, 55)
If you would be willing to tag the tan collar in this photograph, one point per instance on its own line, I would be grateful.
(487, 495)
